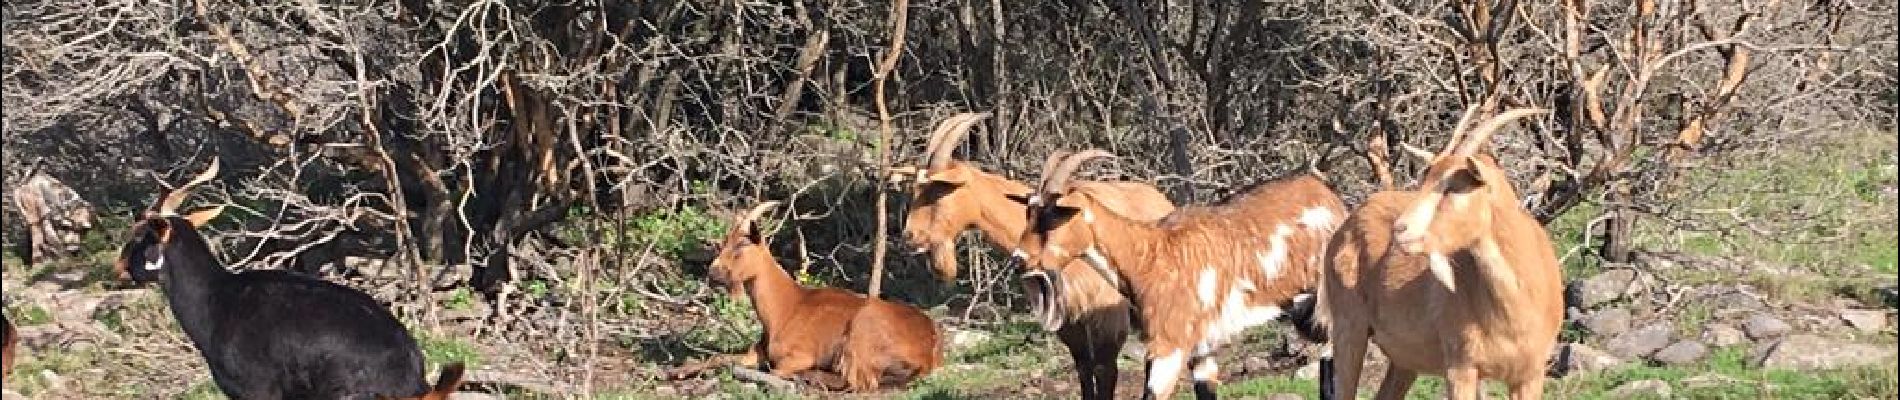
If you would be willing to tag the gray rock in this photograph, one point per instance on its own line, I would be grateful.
(1308, 371)
(1608, 322)
(1641, 342)
(1584, 358)
(1682, 352)
(1810, 352)
(1643, 389)
(1609, 286)
(1763, 327)
(1865, 320)
(1723, 335)
(1708, 380)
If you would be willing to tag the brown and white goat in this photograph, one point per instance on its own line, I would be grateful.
(1196, 278)
(949, 197)
(1497, 305)
(818, 334)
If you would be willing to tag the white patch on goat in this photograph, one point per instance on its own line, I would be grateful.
(1275, 257)
(1210, 281)
(155, 264)
(1088, 217)
(1100, 263)
(1206, 370)
(1235, 316)
(1318, 218)
(1162, 372)
(1440, 267)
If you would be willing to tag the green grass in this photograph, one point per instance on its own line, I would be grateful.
(1737, 381)
(441, 350)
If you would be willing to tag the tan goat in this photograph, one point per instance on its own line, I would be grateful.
(831, 337)
(1497, 303)
(950, 196)
(1198, 277)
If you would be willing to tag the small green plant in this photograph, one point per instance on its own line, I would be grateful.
(442, 350)
(671, 232)
(28, 315)
(734, 327)
(461, 299)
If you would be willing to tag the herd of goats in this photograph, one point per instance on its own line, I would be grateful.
(1452, 277)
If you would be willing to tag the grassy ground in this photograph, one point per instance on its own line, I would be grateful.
(1825, 209)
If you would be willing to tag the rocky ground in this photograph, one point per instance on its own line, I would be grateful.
(1628, 327)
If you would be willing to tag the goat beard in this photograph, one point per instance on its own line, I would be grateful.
(943, 259)
(1045, 298)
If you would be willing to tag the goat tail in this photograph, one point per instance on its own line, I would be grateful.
(859, 367)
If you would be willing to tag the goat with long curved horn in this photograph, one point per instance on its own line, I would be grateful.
(745, 223)
(1477, 138)
(949, 134)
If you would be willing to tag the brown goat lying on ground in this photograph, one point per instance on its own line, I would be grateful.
(1472, 291)
(1198, 277)
(816, 335)
(949, 196)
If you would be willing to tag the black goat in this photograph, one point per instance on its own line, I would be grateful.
(269, 334)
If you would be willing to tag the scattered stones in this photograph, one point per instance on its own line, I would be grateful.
(964, 338)
(1682, 352)
(1810, 352)
(1641, 342)
(1764, 327)
(1643, 389)
(1865, 320)
(1723, 335)
(1583, 358)
(1609, 286)
(1608, 322)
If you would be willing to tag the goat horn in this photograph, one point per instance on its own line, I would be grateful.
(745, 222)
(1058, 180)
(1458, 131)
(168, 204)
(1422, 154)
(948, 135)
(1049, 165)
(1478, 137)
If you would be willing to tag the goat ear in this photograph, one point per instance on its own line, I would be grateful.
(1471, 175)
(1072, 202)
(1022, 199)
(202, 216)
(953, 175)
(754, 235)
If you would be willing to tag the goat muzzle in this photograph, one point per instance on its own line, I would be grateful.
(1045, 298)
